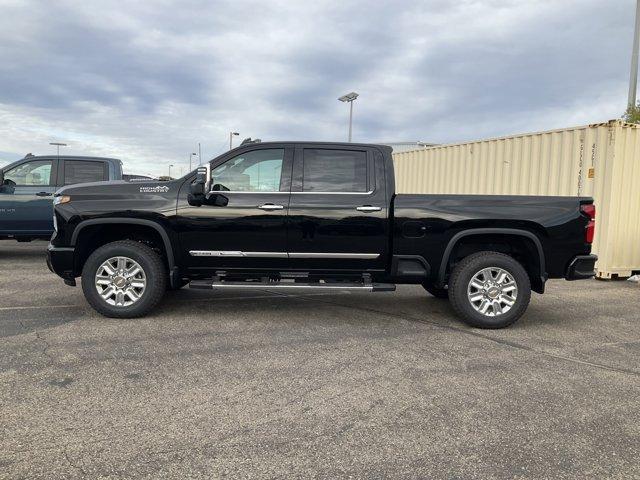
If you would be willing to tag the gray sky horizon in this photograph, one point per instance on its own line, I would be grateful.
(147, 83)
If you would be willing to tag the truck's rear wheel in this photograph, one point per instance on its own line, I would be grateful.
(489, 290)
(123, 279)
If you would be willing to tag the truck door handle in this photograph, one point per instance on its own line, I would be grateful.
(368, 208)
(43, 194)
(270, 206)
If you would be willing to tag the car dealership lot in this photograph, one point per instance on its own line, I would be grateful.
(265, 384)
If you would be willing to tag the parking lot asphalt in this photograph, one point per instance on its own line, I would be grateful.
(246, 384)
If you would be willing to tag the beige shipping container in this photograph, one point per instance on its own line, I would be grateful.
(599, 160)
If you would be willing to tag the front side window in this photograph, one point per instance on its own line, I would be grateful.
(30, 174)
(334, 171)
(254, 171)
(81, 171)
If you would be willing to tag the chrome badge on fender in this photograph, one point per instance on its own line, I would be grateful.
(155, 189)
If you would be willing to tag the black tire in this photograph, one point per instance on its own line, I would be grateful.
(464, 272)
(149, 261)
(437, 292)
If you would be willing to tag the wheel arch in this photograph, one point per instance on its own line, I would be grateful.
(538, 280)
(162, 233)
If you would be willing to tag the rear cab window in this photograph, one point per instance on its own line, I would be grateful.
(84, 171)
(334, 171)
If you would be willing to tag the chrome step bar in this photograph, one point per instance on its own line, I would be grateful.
(361, 286)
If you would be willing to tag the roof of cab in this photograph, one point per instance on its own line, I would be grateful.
(68, 157)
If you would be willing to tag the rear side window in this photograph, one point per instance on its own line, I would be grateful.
(79, 171)
(334, 171)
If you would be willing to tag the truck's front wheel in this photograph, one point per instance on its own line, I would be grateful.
(123, 279)
(489, 290)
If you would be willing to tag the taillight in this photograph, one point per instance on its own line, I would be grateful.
(590, 230)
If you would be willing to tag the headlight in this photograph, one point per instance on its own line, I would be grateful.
(61, 199)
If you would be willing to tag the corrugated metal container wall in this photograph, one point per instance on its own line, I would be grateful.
(599, 160)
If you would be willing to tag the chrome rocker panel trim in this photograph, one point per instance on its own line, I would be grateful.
(239, 254)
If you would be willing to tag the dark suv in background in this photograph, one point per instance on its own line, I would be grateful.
(27, 187)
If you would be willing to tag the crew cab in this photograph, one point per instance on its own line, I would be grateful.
(314, 215)
(27, 187)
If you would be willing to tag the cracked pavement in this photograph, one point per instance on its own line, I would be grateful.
(248, 384)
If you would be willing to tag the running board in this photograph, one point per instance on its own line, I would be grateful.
(365, 287)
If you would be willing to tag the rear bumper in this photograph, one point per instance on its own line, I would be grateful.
(581, 267)
(60, 261)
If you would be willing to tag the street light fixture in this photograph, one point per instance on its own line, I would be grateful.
(58, 145)
(349, 97)
(190, 158)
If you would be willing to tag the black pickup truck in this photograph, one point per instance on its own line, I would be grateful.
(314, 215)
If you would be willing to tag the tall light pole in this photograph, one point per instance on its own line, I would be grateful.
(170, 171)
(191, 155)
(199, 155)
(350, 97)
(633, 78)
(58, 145)
(231, 135)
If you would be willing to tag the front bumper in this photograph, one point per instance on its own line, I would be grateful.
(581, 267)
(60, 261)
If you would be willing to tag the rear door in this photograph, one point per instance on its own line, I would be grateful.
(338, 213)
(26, 198)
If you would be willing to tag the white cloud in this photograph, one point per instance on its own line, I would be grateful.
(145, 82)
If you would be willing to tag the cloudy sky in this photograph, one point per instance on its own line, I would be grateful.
(145, 81)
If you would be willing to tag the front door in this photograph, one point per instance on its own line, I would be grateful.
(26, 198)
(247, 229)
(338, 213)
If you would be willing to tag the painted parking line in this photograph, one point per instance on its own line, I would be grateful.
(33, 307)
(189, 300)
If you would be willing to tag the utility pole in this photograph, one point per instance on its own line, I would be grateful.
(633, 79)
(350, 118)
(231, 135)
(199, 155)
(350, 97)
(170, 171)
(191, 155)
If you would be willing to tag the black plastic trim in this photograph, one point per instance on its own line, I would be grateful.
(131, 221)
(396, 271)
(491, 231)
(582, 267)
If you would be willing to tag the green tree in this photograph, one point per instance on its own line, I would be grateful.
(632, 115)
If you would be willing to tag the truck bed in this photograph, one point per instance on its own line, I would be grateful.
(427, 224)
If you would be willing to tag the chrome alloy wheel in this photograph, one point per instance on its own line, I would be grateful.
(492, 291)
(120, 281)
